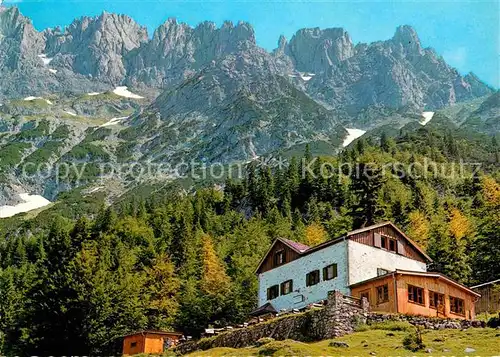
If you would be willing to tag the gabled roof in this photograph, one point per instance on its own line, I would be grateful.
(295, 246)
(303, 249)
(485, 284)
(298, 247)
(389, 223)
(418, 273)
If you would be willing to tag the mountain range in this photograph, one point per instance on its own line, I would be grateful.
(112, 50)
(208, 93)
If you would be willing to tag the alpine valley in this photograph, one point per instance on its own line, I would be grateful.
(208, 94)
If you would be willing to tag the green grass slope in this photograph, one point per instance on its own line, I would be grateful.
(486, 342)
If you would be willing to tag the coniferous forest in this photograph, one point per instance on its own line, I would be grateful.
(74, 282)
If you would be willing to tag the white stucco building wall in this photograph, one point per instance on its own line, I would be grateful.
(364, 260)
(297, 270)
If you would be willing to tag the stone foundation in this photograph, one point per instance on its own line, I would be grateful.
(339, 317)
(432, 323)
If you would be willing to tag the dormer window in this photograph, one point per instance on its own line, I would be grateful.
(279, 258)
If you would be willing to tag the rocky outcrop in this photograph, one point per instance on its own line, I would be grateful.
(242, 102)
(315, 50)
(20, 43)
(395, 73)
(486, 118)
(99, 53)
(23, 71)
(95, 47)
(177, 50)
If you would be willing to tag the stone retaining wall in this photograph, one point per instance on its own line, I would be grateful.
(433, 323)
(339, 317)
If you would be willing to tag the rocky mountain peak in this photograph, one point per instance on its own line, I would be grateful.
(282, 42)
(109, 50)
(477, 87)
(20, 43)
(407, 38)
(94, 46)
(315, 50)
(177, 50)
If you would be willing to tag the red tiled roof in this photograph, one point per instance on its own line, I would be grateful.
(296, 245)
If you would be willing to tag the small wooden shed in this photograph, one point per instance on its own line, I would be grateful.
(490, 297)
(149, 341)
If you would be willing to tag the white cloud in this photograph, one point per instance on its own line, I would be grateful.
(456, 57)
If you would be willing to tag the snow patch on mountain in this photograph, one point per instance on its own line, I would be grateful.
(427, 117)
(46, 60)
(306, 76)
(31, 98)
(113, 121)
(30, 203)
(124, 92)
(353, 134)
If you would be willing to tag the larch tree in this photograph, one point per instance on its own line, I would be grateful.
(315, 234)
(214, 279)
(162, 287)
(419, 228)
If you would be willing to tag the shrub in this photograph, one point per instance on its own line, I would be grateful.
(494, 322)
(413, 341)
(264, 341)
(392, 326)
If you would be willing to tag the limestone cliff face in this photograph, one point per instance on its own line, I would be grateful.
(96, 46)
(178, 50)
(395, 73)
(20, 43)
(241, 101)
(106, 51)
(315, 50)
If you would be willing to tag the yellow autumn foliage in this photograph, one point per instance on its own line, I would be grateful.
(491, 191)
(419, 228)
(315, 234)
(215, 280)
(459, 224)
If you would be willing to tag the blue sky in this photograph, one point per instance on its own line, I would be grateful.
(466, 33)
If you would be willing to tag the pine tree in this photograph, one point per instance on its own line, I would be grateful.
(366, 183)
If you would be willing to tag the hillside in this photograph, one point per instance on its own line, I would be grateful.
(207, 95)
(380, 342)
(183, 260)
